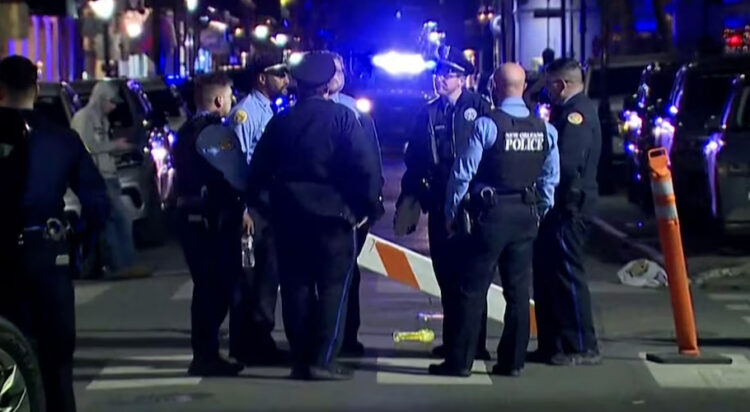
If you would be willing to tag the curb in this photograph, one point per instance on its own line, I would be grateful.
(617, 245)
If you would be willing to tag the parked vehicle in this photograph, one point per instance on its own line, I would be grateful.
(701, 91)
(727, 161)
(640, 110)
(21, 387)
(135, 120)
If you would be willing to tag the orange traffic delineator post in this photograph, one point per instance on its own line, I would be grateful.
(665, 207)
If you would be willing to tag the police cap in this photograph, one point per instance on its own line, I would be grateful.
(455, 62)
(314, 70)
(270, 62)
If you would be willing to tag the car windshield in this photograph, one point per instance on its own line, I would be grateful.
(163, 102)
(620, 81)
(704, 96)
(51, 108)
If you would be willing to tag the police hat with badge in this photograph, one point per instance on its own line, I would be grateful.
(453, 60)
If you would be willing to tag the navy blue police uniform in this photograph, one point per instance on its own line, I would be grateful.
(441, 130)
(509, 174)
(565, 321)
(323, 180)
(40, 296)
(209, 182)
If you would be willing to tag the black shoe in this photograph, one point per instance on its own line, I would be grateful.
(444, 369)
(439, 351)
(260, 358)
(354, 349)
(504, 371)
(214, 367)
(538, 356)
(483, 354)
(591, 358)
(334, 372)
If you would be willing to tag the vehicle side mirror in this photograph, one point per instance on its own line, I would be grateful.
(713, 124)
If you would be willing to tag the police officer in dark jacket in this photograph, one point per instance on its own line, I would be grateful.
(210, 178)
(38, 295)
(563, 302)
(324, 183)
(442, 129)
(509, 168)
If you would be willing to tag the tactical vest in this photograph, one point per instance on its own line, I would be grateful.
(195, 178)
(517, 157)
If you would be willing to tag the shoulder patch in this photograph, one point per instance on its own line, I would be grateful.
(575, 118)
(240, 117)
(470, 114)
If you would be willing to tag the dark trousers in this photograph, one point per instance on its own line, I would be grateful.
(317, 258)
(352, 313)
(253, 313)
(40, 301)
(213, 253)
(502, 239)
(561, 293)
(446, 255)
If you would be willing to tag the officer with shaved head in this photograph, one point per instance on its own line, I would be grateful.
(505, 178)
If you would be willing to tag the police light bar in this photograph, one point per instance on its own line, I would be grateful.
(396, 63)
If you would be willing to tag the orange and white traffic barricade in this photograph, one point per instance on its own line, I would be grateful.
(665, 209)
(415, 270)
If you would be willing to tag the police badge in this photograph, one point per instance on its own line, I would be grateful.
(470, 115)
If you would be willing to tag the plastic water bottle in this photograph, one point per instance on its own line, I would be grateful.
(248, 257)
(422, 335)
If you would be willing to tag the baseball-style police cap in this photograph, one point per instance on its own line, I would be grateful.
(454, 62)
(314, 69)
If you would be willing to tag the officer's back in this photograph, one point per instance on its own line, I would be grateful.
(42, 294)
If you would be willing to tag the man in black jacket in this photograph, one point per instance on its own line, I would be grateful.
(324, 183)
(442, 129)
(563, 300)
(38, 295)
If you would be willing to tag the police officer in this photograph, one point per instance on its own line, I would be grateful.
(509, 168)
(323, 182)
(253, 313)
(442, 129)
(563, 302)
(352, 346)
(39, 296)
(210, 176)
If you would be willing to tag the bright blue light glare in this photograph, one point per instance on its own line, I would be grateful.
(396, 63)
(174, 80)
(673, 110)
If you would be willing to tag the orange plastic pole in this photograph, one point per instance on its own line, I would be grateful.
(665, 208)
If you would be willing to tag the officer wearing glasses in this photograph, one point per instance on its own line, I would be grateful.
(442, 130)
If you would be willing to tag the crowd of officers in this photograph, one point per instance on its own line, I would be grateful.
(503, 190)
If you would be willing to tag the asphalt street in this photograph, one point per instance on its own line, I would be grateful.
(134, 348)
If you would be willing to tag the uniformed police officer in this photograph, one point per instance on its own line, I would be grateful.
(253, 313)
(323, 182)
(563, 302)
(441, 130)
(40, 296)
(352, 346)
(210, 176)
(509, 168)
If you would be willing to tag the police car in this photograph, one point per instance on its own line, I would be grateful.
(136, 120)
(727, 160)
(21, 387)
(640, 111)
(700, 91)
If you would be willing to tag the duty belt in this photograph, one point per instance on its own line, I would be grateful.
(53, 230)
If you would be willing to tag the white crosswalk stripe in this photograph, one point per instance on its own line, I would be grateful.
(86, 293)
(733, 297)
(413, 371)
(185, 292)
(144, 376)
(734, 376)
(738, 307)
